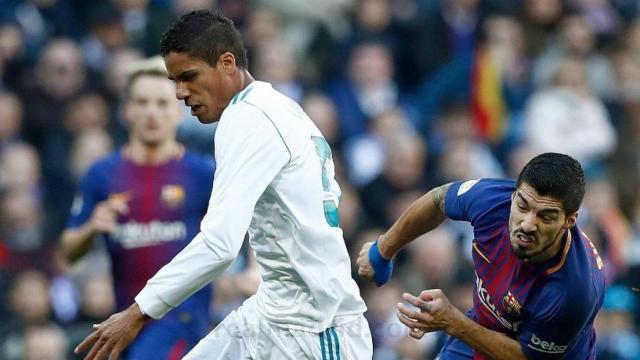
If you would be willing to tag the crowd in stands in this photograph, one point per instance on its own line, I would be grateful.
(410, 94)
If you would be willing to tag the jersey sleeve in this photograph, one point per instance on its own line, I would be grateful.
(90, 193)
(553, 326)
(482, 202)
(249, 154)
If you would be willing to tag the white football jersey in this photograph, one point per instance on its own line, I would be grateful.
(275, 179)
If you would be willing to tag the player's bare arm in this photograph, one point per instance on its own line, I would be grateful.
(424, 215)
(437, 313)
(75, 243)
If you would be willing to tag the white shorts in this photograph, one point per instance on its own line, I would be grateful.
(244, 334)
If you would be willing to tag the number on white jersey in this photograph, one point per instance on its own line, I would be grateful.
(329, 185)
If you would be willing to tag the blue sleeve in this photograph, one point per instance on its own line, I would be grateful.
(482, 202)
(553, 326)
(91, 192)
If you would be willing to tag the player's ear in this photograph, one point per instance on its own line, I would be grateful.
(571, 220)
(227, 62)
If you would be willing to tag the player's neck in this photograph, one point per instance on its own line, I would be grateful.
(144, 154)
(245, 79)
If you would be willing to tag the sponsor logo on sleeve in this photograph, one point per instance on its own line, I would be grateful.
(548, 347)
(466, 186)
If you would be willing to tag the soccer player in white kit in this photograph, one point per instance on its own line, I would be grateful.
(274, 179)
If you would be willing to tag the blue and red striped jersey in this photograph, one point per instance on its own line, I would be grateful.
(548, 308)
(166, 204)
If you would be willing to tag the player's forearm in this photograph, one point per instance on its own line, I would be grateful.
(495, 345)
(199, 263)
(424, 215)
(75, 243)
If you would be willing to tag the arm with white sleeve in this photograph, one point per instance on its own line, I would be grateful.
(249, 153)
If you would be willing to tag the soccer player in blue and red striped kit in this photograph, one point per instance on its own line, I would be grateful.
(539, 279)
(146, 201)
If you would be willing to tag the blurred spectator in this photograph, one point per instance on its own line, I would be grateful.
(87, 148)
(618, 339)
(540, 19)
(11, 53)
(567, 118)
(605, 224)
(97, 303)
(625, 110)
(40, 20)
(181, 7)
(31, 306)
(47, 342)
(368, 90)
(322, 112)
(144, 22)
(403, 172)
(59, 76)
(601, 15)
(263, 26)
(85, 113)
(440, 37)
(409, 93)
(467, 159)
(11, 114)
(20, 168)
(576, 39)
(493, 79)
(366, 154)
(106, 35)
(432, 257)
(351, 214)
(275, 63)
(22, 230)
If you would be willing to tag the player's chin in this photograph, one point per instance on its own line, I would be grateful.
(204, 119)
(521, 252)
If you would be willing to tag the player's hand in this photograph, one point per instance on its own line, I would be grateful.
(364, 266)
(113, 335)
(435, 312)
(105, 215)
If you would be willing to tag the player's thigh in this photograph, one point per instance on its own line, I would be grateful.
(225, 342)
(348, 341)
(354, 340)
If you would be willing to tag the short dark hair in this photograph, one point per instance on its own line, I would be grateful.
(205, 34)
(557, 175)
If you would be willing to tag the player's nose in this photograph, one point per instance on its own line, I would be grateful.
(529, 223)
(182, 93)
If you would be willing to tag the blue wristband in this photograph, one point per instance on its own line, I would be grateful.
(382, 268)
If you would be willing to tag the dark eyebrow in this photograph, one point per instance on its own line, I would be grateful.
(550, 211)
(184, 75)
(547, 211)
(522, 198)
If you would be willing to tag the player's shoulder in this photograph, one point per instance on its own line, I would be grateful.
(482, 193)
(259, 98)
(104, 165)
(483, 186)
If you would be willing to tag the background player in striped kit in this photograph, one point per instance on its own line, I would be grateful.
(274, 178)
(539, 279)
(146, 201)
